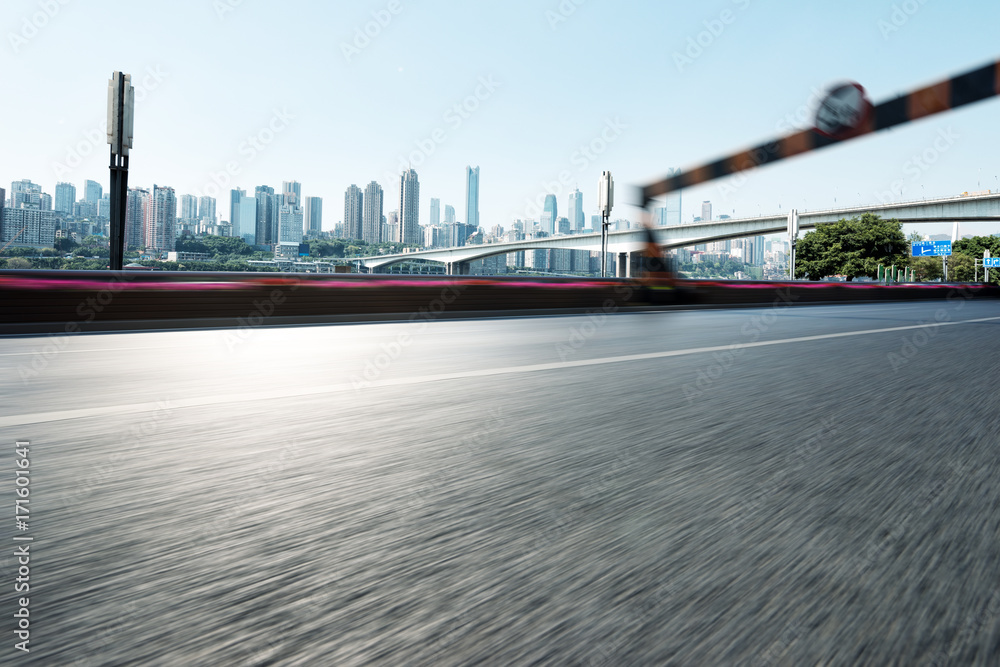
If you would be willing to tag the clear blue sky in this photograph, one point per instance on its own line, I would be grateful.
(557, 84)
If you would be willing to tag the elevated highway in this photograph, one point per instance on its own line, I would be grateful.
(980, 208)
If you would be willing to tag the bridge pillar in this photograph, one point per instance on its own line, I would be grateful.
(458, 268)
(623, 265)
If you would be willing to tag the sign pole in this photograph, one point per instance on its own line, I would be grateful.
(121, 105)
(606, 200)
(986, 269)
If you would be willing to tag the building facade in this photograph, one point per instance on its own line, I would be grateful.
(373, 218)
(472, 197)
(354, 200)
(409, 209)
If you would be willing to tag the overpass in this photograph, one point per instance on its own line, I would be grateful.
(975, 208)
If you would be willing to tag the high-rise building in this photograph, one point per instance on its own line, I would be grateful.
(248, 220)
(235, 199)
(45, 202)
(136, 207)
(104, 207)
(206, 209)
(435, 217)
(189, 207)
(449, 214)
(292, 191)
(65, 198)
(314, 214)
(550, 214)
(27, 226)
(595, 223)
(267, 216)
(372, 220)
(472, 197)
(353, 213)
(93, 192)
(706, 211)
(25, 194)
(563, 226)
(161, 215)
(576, 217)
(409, 208)
(290, 223)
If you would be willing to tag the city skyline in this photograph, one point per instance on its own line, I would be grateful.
(690, 88)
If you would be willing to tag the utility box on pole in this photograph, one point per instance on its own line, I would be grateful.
(121, 111)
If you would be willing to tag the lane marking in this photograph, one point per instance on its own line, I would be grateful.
(136, 408)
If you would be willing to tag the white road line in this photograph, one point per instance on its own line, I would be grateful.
(116, 410)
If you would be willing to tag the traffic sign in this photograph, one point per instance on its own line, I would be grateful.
(931, 249)
(991, 262)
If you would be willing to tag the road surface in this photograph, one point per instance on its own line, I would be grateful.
(808, 485)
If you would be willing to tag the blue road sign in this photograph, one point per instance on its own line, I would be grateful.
(931, 248)
(991, 262)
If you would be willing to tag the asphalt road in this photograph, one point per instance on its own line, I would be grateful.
(808, 485)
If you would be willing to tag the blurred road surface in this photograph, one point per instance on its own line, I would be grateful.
(808, 485)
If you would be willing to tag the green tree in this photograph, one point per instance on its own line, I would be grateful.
(962, 268)
(851, 248)
(927, 268)
(18, 263)
(66, 244)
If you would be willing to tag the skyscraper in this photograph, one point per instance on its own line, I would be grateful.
(290, 223)
(136, 207)
(435, 217)
(189, 207)
(235, 199)
(472, 197)
(449, 214)
(65, 198)
(45, 202)
(248, 219)
(409, 208)
(576, 220)
(25, 193)
(93, 192)
(314, 214)
(206, 209)
(549, 213)
(371, 224)
(353, 212)
(292, 191)
(706, 211)
(267, 216)
(161, 214)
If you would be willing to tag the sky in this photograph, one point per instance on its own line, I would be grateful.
(542, 95)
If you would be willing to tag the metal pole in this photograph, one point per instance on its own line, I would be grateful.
(604, 245)
(944, 262)
(119, 186)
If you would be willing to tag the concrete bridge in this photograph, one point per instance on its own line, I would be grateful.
(973, 208)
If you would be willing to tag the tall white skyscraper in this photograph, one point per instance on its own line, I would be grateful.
(576, 218)
(290, 224)
(409, 209)
(248, 219)
(25, 193)
(206, 209)
(235, 199)
(136, 208)
(435, 218)
(371, 224)
(161, 214)
(353, 213)
(472, 198)
(189, 207)
(706, 211)
(449, 214)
